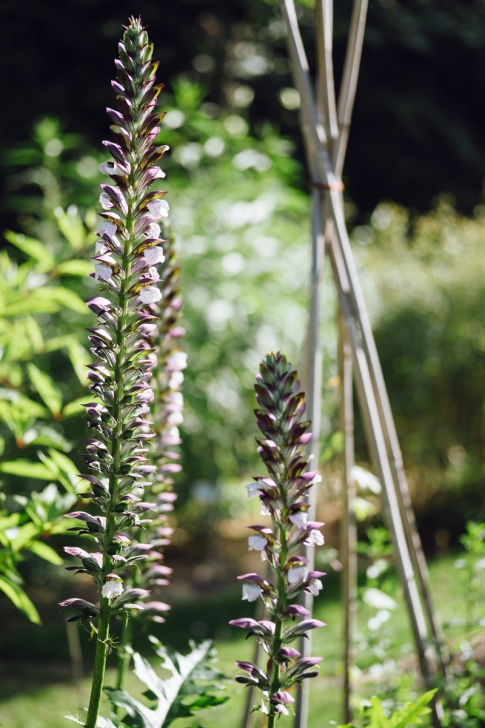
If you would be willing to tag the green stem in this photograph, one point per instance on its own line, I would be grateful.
(123, 655)
(111, 523)
(99, 664)
(278, 643)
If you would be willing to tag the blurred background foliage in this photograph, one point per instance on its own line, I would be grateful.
(420, 101)
(240, 214)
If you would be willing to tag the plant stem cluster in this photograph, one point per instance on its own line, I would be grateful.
(282, 494)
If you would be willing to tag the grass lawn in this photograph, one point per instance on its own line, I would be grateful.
(29, 707)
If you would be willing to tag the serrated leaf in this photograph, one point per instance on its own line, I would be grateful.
(73, 718)
(41, 549)
(411, 713)
(46, 388)
(20, 599)
(192, 675)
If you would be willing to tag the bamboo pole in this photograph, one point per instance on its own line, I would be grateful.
(313, 384)
(349, 526)
(377, 448)
(345, 106)
(316, 142)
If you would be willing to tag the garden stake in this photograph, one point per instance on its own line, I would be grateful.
(349, 524)
(325, 161)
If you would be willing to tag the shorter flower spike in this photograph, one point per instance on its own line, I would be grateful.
(283, 497)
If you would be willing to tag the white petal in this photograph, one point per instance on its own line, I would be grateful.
(257, 543)
(158, 209)
(315, 586)
(109, 168)
(107, 227)
(297, 573)
(299, 519)
(102, 272)
(253, 489)
(153, 230)
(153, 273)
(175, 418)
(154, 255)
(176, 379)
(175, 398)
(251, 592)
(101, 248)
(315, 538)
(177, 361)
(112, 589)
(105, 201)
(265, 510)
(150, 294)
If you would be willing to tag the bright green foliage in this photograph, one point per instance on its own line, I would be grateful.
(194, 680)
(374, 715)
(42, 362)
(472, 568)
(41, 515)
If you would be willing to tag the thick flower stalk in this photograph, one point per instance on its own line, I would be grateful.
(282, 494)
(127, 253)
(166, 413)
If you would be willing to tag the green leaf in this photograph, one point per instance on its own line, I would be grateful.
(46, 388)
(33, 248)
(66, 471)
(24, 535)
(74, 267)
(36, 301)
(27, 469)
(63, 297)
(34, 333)
(75, 407)
(45, 435)
(79, 359)
(20, 599)
(192, 674)
(410, 714)
(73, 718)
(39, 548)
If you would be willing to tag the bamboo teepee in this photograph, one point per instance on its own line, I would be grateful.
(325, 124)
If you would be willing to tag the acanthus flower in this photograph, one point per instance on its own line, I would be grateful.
(282, 494)
(123, 350)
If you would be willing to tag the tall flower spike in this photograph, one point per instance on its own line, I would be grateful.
(285, 437)
(126, 255)
(166, 412)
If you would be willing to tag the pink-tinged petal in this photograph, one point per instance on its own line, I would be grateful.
(282, 697)
(297, 610)
(75, 551)
(244, 623)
